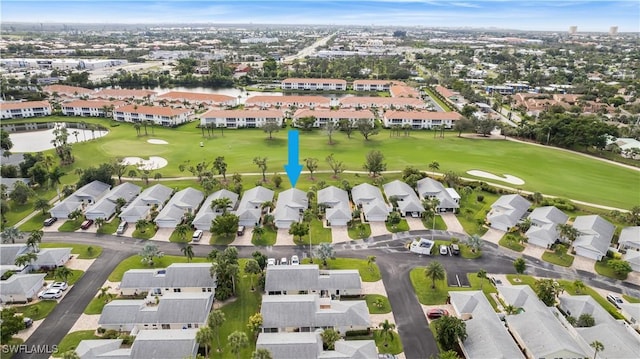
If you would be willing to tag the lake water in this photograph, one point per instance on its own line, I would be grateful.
(37, 141)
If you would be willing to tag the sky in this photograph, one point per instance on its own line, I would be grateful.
(543, 15)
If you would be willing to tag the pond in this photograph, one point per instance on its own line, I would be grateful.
(37, 141)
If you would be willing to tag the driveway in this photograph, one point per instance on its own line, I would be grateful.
(493, 235)
(414, 223)
(339, 234)
(453, 225)
(378, 228)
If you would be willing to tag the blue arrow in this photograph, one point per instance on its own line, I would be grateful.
(293, 168)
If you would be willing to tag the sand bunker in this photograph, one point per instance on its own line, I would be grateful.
(506, 178)
(154, 141)
(153, 163)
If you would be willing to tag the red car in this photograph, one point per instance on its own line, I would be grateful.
(86, 224)
(436, 313)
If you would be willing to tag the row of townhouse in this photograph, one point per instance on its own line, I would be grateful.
(24, 109)
(341, 85)
(164, 116)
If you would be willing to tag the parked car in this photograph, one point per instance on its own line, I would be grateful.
(50, 221)
(86, 224)
(295, 260)
(271, 262)
(122, 227)
(28, 322)
(436, 313)
(444, 250)
(284, 261)
(615, 300)
(455, 249)
(50, 294)
(197, 235)
(58, 285)
(240, 231)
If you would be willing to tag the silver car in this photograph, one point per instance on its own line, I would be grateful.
(50, 294)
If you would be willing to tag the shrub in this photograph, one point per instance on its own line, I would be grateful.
(101, 330)
(357, 333)
(127, 339)
(111, 334)
(480, 198)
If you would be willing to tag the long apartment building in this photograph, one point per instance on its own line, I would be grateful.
(285, 102)
(24, 109)
(68, 91)
(420, 119)
(164, 116)
(125, 94)
(382, 103)
(373, 85)
(322, 117)
(90, 108)
(314, 84)
(241, 118)
(197, 98)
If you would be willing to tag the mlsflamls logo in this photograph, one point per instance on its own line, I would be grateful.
(29, 349)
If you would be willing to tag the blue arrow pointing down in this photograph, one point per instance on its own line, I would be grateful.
(293, 167)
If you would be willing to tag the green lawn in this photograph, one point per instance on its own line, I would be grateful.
(70, 225)
(394, 346)
(367, 273)
(19, 211)
(631, 299)
(8, 354)
(466, 252)
(109, 227)
(134, 262)
(438, 295)
(95, 306)
(268, 237)
(38, 310)
(439, 223)
(82, 251)
(551, 257)
(602, 267)
(222, 239)
(575, 176)
(510, 240)
(34, 223)
(354, 230)
(403, 226)
(472, 213)
(176, 238)
(373, 309)
(76, 274)
(318, 233)
(148, 232)
(71, 341)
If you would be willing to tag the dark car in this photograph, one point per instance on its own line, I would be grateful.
(455, 249)
(28, 322)
(436, 313)
(49, 221)
(86, 224)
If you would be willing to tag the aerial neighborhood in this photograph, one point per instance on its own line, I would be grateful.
(319, 192)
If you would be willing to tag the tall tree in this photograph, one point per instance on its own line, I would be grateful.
(449, 330)
(261, 162)
(346, 126)
(520, 265)
(261, 353)
(25, 259)
(34, 239)
(63, 273)
(386, 331)
(324, 251)
(299, 229)
(312, 165)
(187, 250)
(547, 290)
(336, 166)
(330, 128)
(237, 341)
(597, 346)
(367, 128)
(225, 224)
(482, 274)
(434, 166)
(329, 338)
(252, 268)
(182, 229)
(271, 126)
(11, 234)
(204, 337)
(434, 271)
(475, 242)
(214, 321)
(567, 232)
(41, 204)
(374, 163)
(221, 166)
(149, 252)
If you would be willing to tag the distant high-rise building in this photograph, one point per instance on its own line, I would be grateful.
(573, 30)
(613, 30)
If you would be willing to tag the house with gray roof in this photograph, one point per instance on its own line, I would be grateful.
(9, 253)
(21, 288)
(633, 257)
(544, 226)
(449, 199)
(629, 238)
(308, 312)
(370, 199)
(595, 236)
(178, 277)
(631, 311)
(51, 258)
(407, 199)
(106, 206)
(185, 201)
(289, 208)
(308, 345)
(620, 340)
(48, 258)
(249, 210)
(206, 214)
(336, 203)
(487, 336)
(539, 329)
(173, 311)
(308, 278)
(153, 197)
(86, 195)
(507, 211)
(157, 344)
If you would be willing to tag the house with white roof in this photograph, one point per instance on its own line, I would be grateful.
(185, 201)
(289, 208)
(543, 231)
(173, 311)
(21, 288)
(308, 345)
(407, 199)
(106, 206)
(631, 311)
(88, 194)
(619, 339)
(308, 312)
(206, 214)
(487, 336)
(310, 279)
(507, 211)
(633, 257)
(157, 344)
(629, 238)
(595, 236)
(336, 203)
(448, 198)
(539, 330)
(152, 197)
(250, 208)
(370, 198)
(176, 278)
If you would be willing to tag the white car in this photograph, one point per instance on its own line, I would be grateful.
(444, 250)
(50, 294)
(284, 261)
(295, 260)
(271, 262)
(58, 285)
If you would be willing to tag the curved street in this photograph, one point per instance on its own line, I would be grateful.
(392, 257)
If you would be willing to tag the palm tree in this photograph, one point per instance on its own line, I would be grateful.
(141, 225)
(568, 232)
(76, 133)
(41, 204)
(261, 353)
(104, 293)
(75, 215)
(25, 259)
(598, 346)
(63, 273)
(182, 230)
(222, 203)
(187, 250)
(510, 309)
(11, 234)
(475, 242)
(434, 166)
(137, 128)
(215, 321)
(70, 354)
(204, 337)
(482, 274)
(371, 260)
(237, 341)
(99, 222)
(258, 231)
(434, 271)
(35, 238)
(386, 331)
(54, 177)
(252, 268)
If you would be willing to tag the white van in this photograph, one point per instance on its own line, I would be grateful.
(197, 235)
